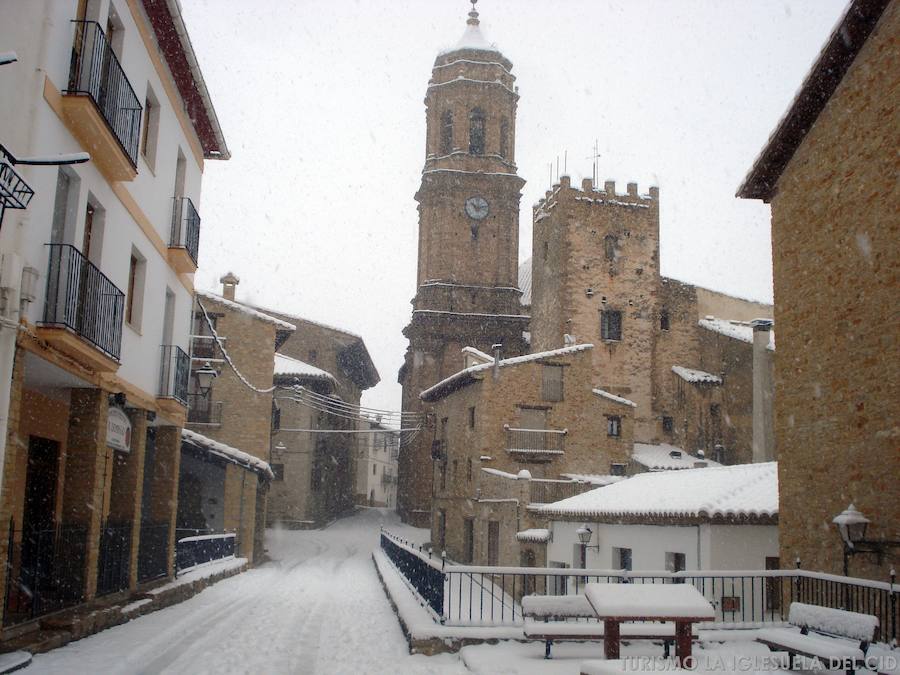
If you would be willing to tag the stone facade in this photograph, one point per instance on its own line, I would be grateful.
(596, 277)
(496, 422)
(835, 233)
(467, 291)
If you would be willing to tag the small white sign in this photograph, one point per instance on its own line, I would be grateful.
(118, 430)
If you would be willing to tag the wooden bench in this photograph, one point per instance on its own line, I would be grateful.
(554, 618)
(838, 638)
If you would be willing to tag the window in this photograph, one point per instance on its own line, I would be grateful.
(134, 302)
(469, 469)
(611, 325)
(92, 237)
(675, 562)
(609, 247)
(476, 132)
(472, 417)
(444, 474)
(65, 207)
(546, 253)
(150, 128)
(668, 424)
(493, 542)
(468, 540)
(613, 425)
(276, 416)
(621, 558)
(277, 471)
(616, 469)
(447, 133)
(664, 320)
(552, 383)
(442, 529)
(313, 355)
(504, 138)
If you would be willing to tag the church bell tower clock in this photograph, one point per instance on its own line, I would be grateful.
(468, 251)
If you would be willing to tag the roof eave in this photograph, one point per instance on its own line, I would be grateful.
(836, 57)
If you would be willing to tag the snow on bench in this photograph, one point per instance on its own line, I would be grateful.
(547, 618)
(840, 637)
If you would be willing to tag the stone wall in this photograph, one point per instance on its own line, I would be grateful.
(835, 233)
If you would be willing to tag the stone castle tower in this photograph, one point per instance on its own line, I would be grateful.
(467, 292)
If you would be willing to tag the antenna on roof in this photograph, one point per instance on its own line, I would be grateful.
(595, 162)
(565, 161)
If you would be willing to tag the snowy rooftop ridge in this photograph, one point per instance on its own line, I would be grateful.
(246, 309)
(228, 453)
(594, 478)
(462, 374)
(472, 38)
(297, 317)
(288, 365)
(740, 491)
(696, 376)
(665, 457)
(739, 330)
(613, 397)
(536, 535)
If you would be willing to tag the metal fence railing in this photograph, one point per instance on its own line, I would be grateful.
(185, 227)
(95, 71)
(80, 297)
(153, 551)
(44, 571)
(538, 441)
(471, 595)
(196, 550)
(114, 564)
(174, 371)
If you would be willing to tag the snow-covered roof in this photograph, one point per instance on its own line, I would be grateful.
(477, 354)
(613, 397)
(297, 317)
(696, 376)
(227, 453)
(743, 490)
(536, 535)
(593, 478)
(287, 366)
(739, 330)
(458, 379)
(245, 309)
(472, 38)
(525, 281)
(665, 457)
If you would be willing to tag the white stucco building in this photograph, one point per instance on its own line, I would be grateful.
(717, 518)
(97, 273)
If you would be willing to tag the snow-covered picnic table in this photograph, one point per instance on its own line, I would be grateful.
(680, 603)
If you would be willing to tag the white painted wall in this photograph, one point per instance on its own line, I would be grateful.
(41, 34)
(373, 453)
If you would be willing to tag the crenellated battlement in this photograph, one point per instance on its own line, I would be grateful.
(589, 194)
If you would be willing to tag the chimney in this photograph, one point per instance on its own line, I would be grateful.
(497, 348)
(763, 386)
(229, 282)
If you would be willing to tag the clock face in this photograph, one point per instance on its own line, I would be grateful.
(477, 208)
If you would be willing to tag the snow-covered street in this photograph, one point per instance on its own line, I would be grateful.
(317, 608)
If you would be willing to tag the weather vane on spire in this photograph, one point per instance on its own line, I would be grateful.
(473, 15)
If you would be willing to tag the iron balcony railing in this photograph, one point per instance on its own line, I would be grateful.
(203, 411)
(185, 227)
(174, 371)
(15, 193)
(535, 441)
(95, 71)
(83, 299)
(205, 347)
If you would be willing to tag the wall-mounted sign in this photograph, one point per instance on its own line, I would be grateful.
(118, 430)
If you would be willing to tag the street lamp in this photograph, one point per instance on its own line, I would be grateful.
(584, 537)
(852, 525)
(205, 377)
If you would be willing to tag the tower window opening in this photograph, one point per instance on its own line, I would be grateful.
(476, 132)
(447, 132)
(504, 138)
(664, 320)
(609, 247)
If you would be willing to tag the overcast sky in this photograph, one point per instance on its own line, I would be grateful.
(321, 105)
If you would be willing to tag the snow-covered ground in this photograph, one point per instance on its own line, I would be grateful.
(318, 608)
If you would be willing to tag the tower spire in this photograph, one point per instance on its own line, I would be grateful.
(473, 15)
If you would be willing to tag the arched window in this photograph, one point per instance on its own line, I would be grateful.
(447, 132)
(609, 246)
(504, 138)
(476, 132)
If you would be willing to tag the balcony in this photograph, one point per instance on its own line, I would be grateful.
(202, 411)
(535, 445)
(174, 371)
(184, 243)
(82, 306)
(204, 347)
(99, 105)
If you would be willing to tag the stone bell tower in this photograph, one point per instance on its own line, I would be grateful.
(467, 292)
